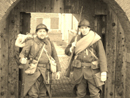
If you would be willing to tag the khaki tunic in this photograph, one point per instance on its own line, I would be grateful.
(79, 73)
(30, 50)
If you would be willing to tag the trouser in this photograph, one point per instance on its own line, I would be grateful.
(38, 90)
(81, 89)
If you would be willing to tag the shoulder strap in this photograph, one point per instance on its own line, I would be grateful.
(37, 51)
(93, 54)
(93, 39)
(41, 53)
(46, 53)
(50, 43)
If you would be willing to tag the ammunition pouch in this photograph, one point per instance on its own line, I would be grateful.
(76, 63)
(95, 65)
(79, 64)
(97, 76)
(97, 79)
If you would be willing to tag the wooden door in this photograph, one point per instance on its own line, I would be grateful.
(100, 27)
(24, 29)
(25, 22)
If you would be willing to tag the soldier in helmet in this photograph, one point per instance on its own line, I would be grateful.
(89, 65)
(37, 85)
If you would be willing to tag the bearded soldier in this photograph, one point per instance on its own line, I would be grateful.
(89, 63)
(38, 83)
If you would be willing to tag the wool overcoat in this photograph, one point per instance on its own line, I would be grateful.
(79, 73)
(31, 50)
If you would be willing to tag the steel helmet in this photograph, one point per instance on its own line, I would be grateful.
(41, 26)
(84, 22)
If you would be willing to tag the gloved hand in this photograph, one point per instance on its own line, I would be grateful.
(71, 75)
(103, 76)
(72, 47)
(57, 75)
(20, 40)
(23, 60)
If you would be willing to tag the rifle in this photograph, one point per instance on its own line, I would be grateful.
(67, 74)
(23, 78)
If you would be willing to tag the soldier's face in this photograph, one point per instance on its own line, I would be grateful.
(41, 33)
(84, 30)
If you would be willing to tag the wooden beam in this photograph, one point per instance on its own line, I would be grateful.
(43, 5)
(120, 68)
(12, 65)
(111, 38)
(58, 6)
(27, 5)
(4, 59)
(100, 7)
(62, 97)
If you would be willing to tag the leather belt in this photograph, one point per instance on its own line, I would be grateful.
(42, 65)
(83, 64)
(93, 65)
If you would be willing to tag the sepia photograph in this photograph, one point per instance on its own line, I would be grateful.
(64, 48)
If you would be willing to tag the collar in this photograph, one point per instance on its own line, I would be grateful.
(41, 41)
(37, 40)
(85, 34)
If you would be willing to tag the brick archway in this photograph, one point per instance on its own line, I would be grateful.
(122, 17)
(116, 6)
(9, 26)
(7, 7)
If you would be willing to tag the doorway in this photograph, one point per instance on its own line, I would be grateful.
(58, 35)
(100, 27)
(24, 29)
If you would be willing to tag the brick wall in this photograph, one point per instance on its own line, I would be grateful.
(46, 16)
(6, 6)
(125, 5)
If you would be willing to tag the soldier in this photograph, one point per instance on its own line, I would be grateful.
(36, 84)
(89, 60)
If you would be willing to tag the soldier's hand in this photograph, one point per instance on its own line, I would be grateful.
(20, 40)
(23, 60)
(71, 75)
(58, 75)
(73, 44)
(72, 47)
(103, 76)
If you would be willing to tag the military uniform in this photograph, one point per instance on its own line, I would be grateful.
(83, 76)
(36, 84)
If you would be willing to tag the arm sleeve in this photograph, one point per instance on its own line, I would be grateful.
(54, 55)
(102, 56)
(26, 49)
(67, 50)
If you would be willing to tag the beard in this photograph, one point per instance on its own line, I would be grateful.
(42, 36)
